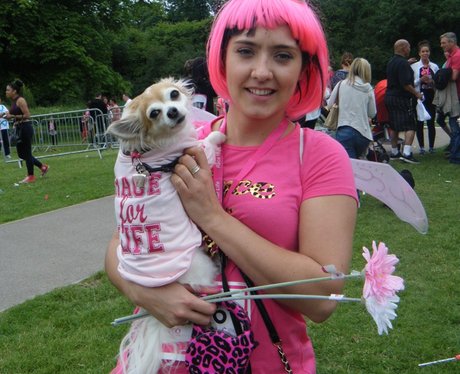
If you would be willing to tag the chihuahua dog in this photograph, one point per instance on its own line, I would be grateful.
(159, 244)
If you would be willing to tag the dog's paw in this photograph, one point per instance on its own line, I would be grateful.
(216, 138)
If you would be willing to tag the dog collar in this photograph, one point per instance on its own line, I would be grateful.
(143, 168)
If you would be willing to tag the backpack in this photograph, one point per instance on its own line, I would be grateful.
(442, 77)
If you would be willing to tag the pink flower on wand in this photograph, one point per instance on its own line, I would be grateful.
(380, 286)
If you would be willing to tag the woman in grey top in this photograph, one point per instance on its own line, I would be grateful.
(356, 107)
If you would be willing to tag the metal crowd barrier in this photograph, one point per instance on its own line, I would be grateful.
(64, 133)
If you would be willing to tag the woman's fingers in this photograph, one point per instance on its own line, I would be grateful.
(174, 305)
(197, 153)
(194, 159)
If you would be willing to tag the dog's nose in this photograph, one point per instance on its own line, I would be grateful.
(172, 113)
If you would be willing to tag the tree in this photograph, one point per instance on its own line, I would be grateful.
(65, 58)
(187, 10)
(67, 50)
(369, 28)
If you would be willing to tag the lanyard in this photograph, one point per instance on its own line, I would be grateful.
(274, 136)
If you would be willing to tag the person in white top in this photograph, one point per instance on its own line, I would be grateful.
(126, 99)
(356, 107)
(4, 126)
(424, 71)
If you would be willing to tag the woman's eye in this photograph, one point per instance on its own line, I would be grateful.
(244, 52)
(283, 56)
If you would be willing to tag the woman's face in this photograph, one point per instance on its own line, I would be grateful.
(262, 71)
(424, 53)
(10, 92)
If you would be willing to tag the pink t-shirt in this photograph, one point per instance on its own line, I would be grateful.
(453, 62)
(268, 201)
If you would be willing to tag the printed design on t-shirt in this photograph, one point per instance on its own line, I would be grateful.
(210, 244)
(426, 71)
(138, 235)
(260, 190)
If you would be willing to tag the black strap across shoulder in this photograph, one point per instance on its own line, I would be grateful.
(274, 337)
(236, 323)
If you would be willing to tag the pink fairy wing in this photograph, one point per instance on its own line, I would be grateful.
(386, 184)
(200, 117)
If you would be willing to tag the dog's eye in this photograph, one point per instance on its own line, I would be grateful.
(174, 94)
(154, 113)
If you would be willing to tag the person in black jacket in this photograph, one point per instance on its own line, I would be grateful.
(400, 101)
(98, 111)
(197, 71)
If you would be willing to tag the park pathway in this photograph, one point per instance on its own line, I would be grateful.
(55, 249)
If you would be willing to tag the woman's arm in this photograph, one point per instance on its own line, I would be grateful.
(372, 107)
(172, 304)
(263, 261)
(22, 104)
(332, 98)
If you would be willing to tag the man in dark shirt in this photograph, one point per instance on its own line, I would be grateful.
(98, 111)
(400, 100)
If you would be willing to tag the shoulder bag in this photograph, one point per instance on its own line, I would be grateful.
(332, 118)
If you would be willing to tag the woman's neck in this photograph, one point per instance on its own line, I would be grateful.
(243, 131)
(425, 61)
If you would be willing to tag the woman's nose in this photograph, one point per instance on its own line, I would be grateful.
(262, 70)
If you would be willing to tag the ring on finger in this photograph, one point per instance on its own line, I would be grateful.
(195, 169)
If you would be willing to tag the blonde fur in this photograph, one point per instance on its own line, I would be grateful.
(152, 118)
(145, 338)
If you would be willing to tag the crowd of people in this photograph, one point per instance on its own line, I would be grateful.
(408, 81)
(21, 133)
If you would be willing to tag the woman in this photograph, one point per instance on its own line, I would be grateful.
(356, 108)
(20, 114)
(283, 187)
(342, 73)
(424, 71)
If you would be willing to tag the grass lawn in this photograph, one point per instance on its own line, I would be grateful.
(69, 331)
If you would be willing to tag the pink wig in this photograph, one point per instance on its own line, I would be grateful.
(240, 15)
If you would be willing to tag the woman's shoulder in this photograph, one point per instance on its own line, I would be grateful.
(318, 141)
(326, 167)
(416, 65)
(434, 66)
(204, 129)
(21, 100)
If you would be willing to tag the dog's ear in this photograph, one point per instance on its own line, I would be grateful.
(186, 86)
(126, 128)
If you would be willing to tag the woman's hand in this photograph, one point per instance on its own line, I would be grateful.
(173, 304)
(192, 179)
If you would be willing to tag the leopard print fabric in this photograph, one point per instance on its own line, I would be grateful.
(213, 351)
